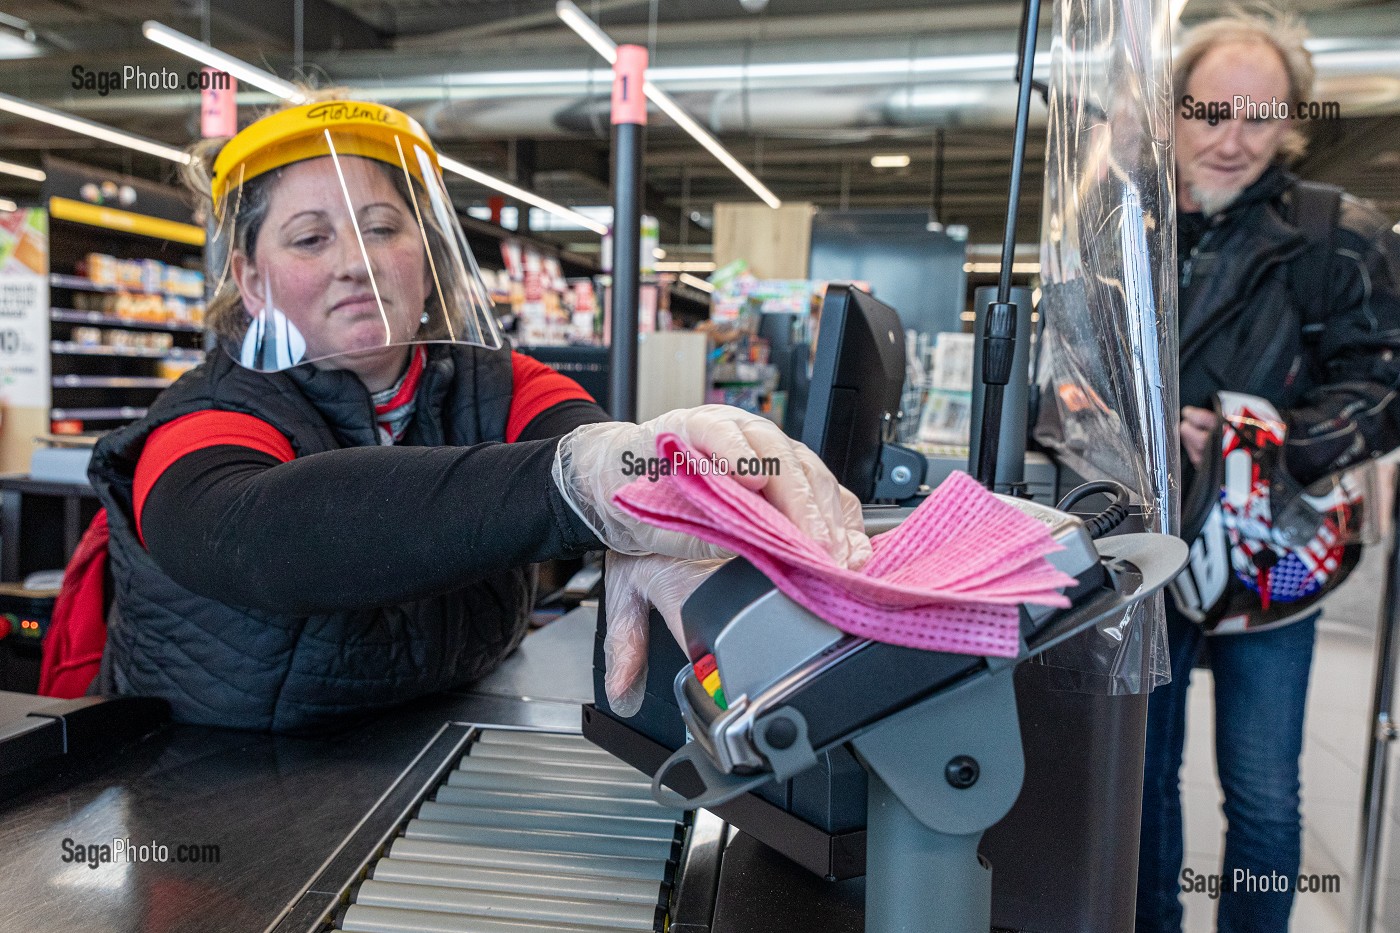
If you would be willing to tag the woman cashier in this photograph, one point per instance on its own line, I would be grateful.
(338, 510)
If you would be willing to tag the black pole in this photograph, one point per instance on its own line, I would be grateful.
(999, 324)
(1383, 735)
(629, 112)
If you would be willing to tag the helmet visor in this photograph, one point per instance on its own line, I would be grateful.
(344, 254)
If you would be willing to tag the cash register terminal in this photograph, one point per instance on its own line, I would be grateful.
(852, 757)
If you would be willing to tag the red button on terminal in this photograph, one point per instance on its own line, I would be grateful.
(704, 667)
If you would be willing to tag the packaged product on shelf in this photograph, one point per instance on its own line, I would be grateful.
(87, 336)
(584, 315)
(197, 313)
(102, 269)
(152, 275)
(172, 281)
(184, 283)
(176, 309)
(129, 273)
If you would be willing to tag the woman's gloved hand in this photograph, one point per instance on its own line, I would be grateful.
(632, 586)
(595, 461)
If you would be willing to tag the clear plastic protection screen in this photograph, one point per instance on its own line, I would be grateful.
(1107, 369)
(343, 256)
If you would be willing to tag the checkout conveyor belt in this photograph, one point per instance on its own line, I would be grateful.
(530, 831)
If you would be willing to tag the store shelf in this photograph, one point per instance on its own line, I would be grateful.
(105, 378)
(81, 349)
(111, 218)
(87, 285)
(72, 316)
(110, 382)
(97, 414)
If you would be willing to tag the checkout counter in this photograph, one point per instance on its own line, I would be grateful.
(479, 812)
(285, 826)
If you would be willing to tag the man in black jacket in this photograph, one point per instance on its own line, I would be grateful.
(1311, 324)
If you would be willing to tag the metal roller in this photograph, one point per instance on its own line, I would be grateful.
(557, 803)
(538, 840)
(534, 908)
(365, 919)
(592, 823)
(606, 869)
(618, 772)
(522, 753)
(625, 890)
(537, 832)
(496, 738)
(544, 782)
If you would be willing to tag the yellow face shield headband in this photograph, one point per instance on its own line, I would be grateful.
(358, 128)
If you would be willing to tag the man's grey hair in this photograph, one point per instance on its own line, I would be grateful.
(1279, 30)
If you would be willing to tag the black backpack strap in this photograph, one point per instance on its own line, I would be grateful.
(1315, 208)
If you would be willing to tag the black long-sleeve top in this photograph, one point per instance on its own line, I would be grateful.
(362, 526)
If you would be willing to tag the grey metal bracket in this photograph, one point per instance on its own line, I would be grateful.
(940, 773)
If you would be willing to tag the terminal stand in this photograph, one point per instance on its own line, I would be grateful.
(926, 811)
(935, 739)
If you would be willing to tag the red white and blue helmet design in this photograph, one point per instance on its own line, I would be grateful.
(1253, 564)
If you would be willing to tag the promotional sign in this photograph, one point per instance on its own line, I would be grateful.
(24, 308)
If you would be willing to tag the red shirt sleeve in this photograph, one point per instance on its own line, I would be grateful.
(196, 431)
(537, 389)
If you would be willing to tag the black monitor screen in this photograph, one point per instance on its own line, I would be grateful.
(857, 378)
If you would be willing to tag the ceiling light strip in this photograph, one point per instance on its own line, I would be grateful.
(696, 282)
(685, 266)
(208, 55)
(673, 110)
(466, 171)
(589, 31)
(190, 47)
(22, 171)
(74, 124)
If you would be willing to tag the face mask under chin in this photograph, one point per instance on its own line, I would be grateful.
(272, 341)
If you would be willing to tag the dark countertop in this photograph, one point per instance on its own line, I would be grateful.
(285, 813)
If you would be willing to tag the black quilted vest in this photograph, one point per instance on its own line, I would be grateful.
(224, 666)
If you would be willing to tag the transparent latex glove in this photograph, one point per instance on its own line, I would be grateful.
(632, 586)
(595, 461)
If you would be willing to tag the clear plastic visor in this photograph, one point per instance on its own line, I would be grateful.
(345, 260)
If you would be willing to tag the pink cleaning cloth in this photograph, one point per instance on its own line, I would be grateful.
(949, 578)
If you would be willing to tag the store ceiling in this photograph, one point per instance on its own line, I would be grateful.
(810, 137)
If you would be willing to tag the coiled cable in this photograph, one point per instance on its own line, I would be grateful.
(1111, 517)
